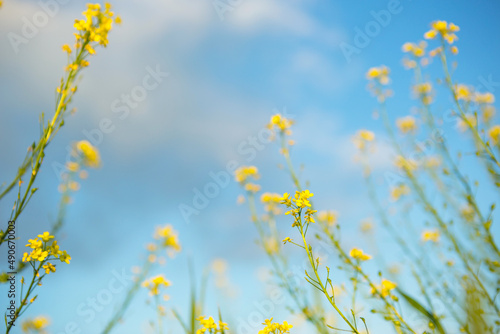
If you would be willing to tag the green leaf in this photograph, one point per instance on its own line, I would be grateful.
(420, 308)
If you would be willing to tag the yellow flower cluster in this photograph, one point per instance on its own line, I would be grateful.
(424, 92)
(243, 173)
(494, 134)
(444, 29)
(271, 201)
(88, 153)
(208, 324)
(168, 237)
(464, 123)
(462, 92)
(154, 284)
(379, 74)
(297, 203)
(281, 123)
(275, 327)
(399, 190)
(405, 164)
(362, 138)
(430, 235)
(407, 124)
(328, 217)
(358, 254)
(301, 199)
(385, 288)
(42, 252)
(417, 50)
(484, 98)
(37, 324)
(96, 25)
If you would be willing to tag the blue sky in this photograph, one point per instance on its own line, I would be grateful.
(227, 74)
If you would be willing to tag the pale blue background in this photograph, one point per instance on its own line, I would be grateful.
(227, 77)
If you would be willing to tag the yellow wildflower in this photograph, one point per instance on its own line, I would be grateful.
(252, 187)
(399, 190)
(38, 324)
(281, 123)
(494, 134)
(385, 288)
(66, 48)
(49, 267)
(245, 172)
(168, 237)
(46, 236)
(462, 92)
(154, 283)
(407, 124)
(275, 328)
(329, 217)
(363, 137)
(430, 235)
(358, 254)
(379, 74)
(484, 98)
(90, 154)
(445, 30)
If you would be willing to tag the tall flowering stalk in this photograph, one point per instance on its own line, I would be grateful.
(92, 31)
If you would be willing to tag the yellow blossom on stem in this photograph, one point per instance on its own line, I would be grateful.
(66, 48)
(385, 288)
(379, 74)
(328, 217)
(168, 237)
(154, 284)
(89, 153)
(363, 137)
(430, 235)
(494, 133)
(463, 92)
(281, 123)
(243, 173)
(358, 254)
(209, 324)
(49, 267)
(251, 187)
(399, 190)
(275, 328)
(407, 124)
(37, 324)
(484, 98)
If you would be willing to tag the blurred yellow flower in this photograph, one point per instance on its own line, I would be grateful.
(275, 328)
(329, 217)
(445, 30)
(379, 74)
(484, 98)
(168, 237)
(384, 288)
(430, 235)
(494, 133)
(89, 153)
(462, 92)
(363, 137)
(252, 187)
(407, 124)
(358, 254)
(154, 284)
(399, 190)
(38, 324)
(245, 172)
